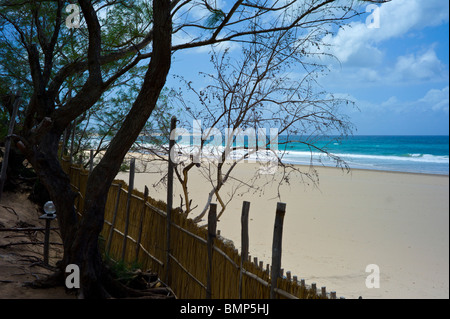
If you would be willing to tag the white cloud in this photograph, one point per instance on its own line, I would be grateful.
(426, 66)
(357, 42)
(393, 100)
(351, 43)
(219, 47)
(401, 16)
(182, 37)
(409, 69)
(437, 99)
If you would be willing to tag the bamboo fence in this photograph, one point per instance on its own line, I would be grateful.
(194, 272)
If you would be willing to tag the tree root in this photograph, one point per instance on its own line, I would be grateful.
(119, 290)
(108, 287)
(55, 279)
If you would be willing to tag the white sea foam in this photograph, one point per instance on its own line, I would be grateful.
(302, 157)
(410, 162)
(426, 158)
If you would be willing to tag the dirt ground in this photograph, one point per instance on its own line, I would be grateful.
(21, 263)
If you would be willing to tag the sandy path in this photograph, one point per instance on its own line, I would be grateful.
(18, 263)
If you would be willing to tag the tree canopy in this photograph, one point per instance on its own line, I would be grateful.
(64, 71)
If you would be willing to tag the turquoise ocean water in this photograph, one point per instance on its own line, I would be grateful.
(414, 154)
(417, 154)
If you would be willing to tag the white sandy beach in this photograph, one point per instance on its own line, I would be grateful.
(398, 221)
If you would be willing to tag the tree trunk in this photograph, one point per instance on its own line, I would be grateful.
(80, 238)
(84, 250)
(49, 171)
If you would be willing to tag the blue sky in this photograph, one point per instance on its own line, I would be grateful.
(397, 73)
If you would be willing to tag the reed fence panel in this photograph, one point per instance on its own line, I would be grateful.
(188, 255)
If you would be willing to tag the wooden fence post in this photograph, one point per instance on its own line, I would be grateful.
(324, 292)
(141, 221)
(173, 124)
(12, 122)
(127, 218)
(314, 289)
(276, 247)
(244, 230)
(244, 241)
(113, 222)
(288, 275)
(212, 226)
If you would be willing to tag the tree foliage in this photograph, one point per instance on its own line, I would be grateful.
(65, 74)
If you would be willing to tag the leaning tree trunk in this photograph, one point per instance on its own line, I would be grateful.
(48, 168)
(80, 238)
(84, 250)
